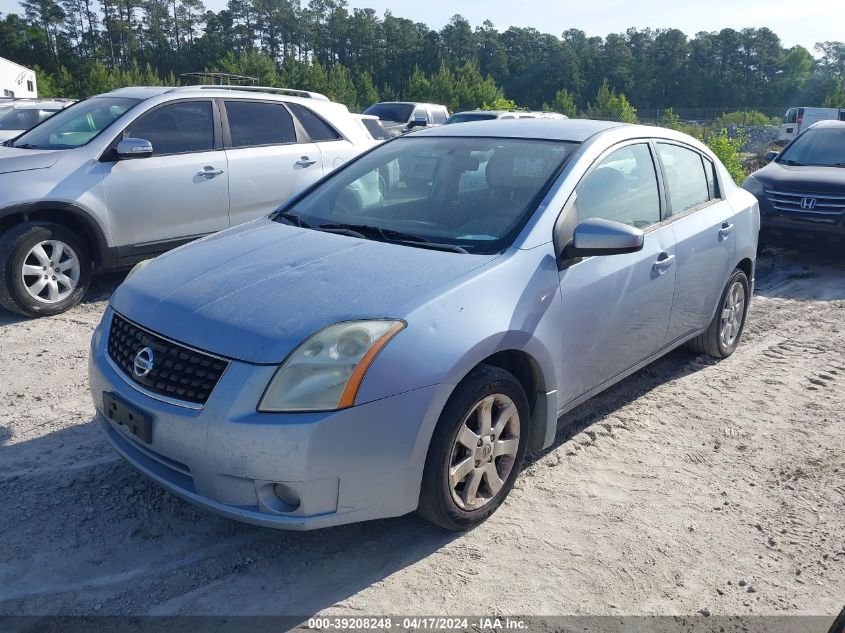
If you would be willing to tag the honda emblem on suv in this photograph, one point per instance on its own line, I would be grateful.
(143, 363)
(808, 204)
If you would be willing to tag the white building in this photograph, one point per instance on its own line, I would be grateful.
(16, 80)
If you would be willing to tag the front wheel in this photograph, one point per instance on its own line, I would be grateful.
(44, 269)
(722, 336)
(476, 451)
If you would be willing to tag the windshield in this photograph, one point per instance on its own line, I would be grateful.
(817, 147)
(398, 112)
(23, 118)
(463, 117)
(76, 125)
(468, 194)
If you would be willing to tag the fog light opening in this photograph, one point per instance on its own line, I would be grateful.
(287, 497)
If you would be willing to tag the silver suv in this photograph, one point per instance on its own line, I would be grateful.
(132, 173)
(399, 117)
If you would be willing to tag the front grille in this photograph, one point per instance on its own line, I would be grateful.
(177, 371)
(825, 206)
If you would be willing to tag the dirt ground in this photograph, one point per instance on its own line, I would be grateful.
(691, 485)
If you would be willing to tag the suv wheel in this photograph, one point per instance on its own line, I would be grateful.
(44, 269)
(476, 451)
(722, 336)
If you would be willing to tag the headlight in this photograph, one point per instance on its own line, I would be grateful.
(754, 186)
(139, 267)
(325, 371)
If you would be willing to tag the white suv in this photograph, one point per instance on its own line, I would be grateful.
(132, 173)
(22, 114)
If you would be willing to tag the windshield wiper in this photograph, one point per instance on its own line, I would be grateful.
(292, 218)
(793, 163)
(389, 235)
(27, 146)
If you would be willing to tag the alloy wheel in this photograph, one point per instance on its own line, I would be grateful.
(50, 271)
(732, 313)
(484, 451)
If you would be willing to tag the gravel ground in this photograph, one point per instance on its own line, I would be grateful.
(691, 485)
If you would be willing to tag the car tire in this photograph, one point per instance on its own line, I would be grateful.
(63, 258)
(725, 330)
(495, 459)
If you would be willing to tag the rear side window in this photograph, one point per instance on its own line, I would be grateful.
(254, 123)
(314, 126)
(177, 128)
(685, 177)
(376, 129)
(439, 116)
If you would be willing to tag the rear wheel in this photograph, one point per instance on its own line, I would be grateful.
(722, 336)
(45, 269)
(476, 451)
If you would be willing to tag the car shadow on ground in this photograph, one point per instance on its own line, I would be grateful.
(777, 269)
(101, 288)
(84, 532)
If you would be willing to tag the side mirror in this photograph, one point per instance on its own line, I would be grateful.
(419, 121)
(597, 236)
(130, 148)
(769, 156)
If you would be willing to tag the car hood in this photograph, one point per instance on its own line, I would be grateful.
(13, 159)
(809, 179)
(257, 291)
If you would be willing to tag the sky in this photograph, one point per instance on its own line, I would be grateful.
(805, 22)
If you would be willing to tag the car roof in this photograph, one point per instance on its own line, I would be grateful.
(827, 123)
(40, 104)
(229, 92)
(577, 130)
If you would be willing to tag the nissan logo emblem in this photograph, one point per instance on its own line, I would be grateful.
(143, 363)
(808, 204)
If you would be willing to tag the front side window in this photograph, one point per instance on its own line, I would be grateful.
(439, 116)
(420, 113)
(817, 147)
(253, 123)
(475, 193)
(791, 115)
(76, 125)
(177, 128)
(621, 188)
(685, 177)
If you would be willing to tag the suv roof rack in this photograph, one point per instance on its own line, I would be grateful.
(269, 89)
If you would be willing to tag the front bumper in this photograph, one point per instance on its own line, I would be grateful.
(357, 464)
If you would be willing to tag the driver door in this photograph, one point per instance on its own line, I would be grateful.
(616, 308)
(180, 192)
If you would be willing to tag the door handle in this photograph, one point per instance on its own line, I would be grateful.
(725, 230)
(305, 161)
(663, 263)
(209, 172)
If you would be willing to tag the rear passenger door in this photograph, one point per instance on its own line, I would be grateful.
(334, 149)
(703, 224)
(270, 158)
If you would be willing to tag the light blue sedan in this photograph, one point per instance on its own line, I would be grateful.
(398, 336)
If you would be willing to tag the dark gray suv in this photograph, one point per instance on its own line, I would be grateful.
(802, 190)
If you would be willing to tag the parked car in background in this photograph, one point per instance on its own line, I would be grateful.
(802, 190)
(23, 114)
(489, 115)
(132, 173)
(399, 117)
(796, 120)
(356, 357)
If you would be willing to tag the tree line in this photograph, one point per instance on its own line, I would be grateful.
(83, 47)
